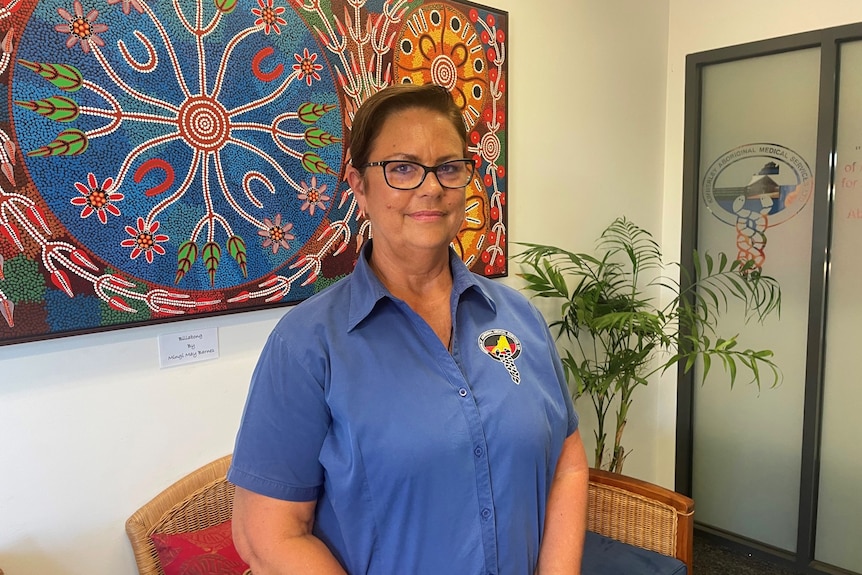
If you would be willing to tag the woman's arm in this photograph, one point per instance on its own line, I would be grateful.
(274, 536)
(566, 513)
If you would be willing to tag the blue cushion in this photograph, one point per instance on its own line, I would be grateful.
(606, 556)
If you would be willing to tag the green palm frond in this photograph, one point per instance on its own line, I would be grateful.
(616, 326)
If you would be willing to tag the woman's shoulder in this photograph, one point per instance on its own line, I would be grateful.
(322, 309)
(509, 300)
(501, 293)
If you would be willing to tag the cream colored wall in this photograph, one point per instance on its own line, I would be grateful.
(592, 151)
(597, 153)
(695, 26)
(91, 428)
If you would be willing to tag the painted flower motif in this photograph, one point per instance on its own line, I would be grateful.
(144, 240)
(313, 196)
(128, 5)
(97, 199)
(307, 66)
(81, 28)
(269, 17)
(275, 234)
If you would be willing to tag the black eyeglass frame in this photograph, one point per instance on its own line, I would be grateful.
(427, 169)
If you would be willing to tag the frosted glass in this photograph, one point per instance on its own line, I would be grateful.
(759, 126)
(839, 521)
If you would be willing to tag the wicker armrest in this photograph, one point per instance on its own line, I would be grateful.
(199, 500)
(641, 514)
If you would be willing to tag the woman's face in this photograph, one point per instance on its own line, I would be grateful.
(428, 217)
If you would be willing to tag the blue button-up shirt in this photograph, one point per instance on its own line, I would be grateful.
(422, 461)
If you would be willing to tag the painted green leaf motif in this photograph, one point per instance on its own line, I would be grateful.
(186, 256)
(66, 77)
(310, 112)
(318, 138)
(236, 248)
(225, 6)
(68, 143)
(57, 108)
(315, 164)
(211, 255)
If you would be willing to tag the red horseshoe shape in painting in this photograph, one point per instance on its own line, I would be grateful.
(260, 57)
(152, 164)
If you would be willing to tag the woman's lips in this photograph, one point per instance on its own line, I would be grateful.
(426, 215)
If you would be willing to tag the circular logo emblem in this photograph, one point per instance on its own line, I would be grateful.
(765, 179)
(500, 344)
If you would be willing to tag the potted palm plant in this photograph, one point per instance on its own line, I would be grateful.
(619, 331)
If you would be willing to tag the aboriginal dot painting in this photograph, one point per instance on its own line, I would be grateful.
(170, 159)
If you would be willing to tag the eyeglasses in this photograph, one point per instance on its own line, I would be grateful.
(404, 175)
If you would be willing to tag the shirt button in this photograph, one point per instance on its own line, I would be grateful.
(486, 513)
(462, 392)
(478, 451)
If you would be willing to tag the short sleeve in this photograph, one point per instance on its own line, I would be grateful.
(284, 424)
(572, 415)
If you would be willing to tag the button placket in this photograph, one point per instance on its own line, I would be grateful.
(487, 517)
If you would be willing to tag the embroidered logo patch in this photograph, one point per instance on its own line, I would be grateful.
(502, 346)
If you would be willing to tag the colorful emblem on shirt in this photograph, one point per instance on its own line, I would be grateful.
(503, 346)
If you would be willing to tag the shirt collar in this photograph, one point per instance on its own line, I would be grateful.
(366, 289)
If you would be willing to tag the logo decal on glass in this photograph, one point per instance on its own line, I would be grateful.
(755, 187)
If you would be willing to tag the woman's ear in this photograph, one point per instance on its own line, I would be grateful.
(357, 184)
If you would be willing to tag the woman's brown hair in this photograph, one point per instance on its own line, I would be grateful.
(374, 112)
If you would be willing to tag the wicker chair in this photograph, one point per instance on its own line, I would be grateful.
(641, 514)
(199, 500)
(620, 507)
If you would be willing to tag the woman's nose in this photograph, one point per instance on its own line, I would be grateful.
(431, 184)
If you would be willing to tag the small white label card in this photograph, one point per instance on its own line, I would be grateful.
(188, 347)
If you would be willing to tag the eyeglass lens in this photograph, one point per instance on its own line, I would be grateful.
(409, 175)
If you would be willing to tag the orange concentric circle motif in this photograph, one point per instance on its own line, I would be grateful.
(439, 45)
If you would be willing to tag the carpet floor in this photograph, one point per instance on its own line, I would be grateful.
(713, 558)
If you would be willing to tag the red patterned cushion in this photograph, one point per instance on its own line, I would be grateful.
(209, 551)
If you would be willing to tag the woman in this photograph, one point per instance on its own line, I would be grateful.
(412, 418)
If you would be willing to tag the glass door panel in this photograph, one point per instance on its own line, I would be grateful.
(839, 520)
(757, 149)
